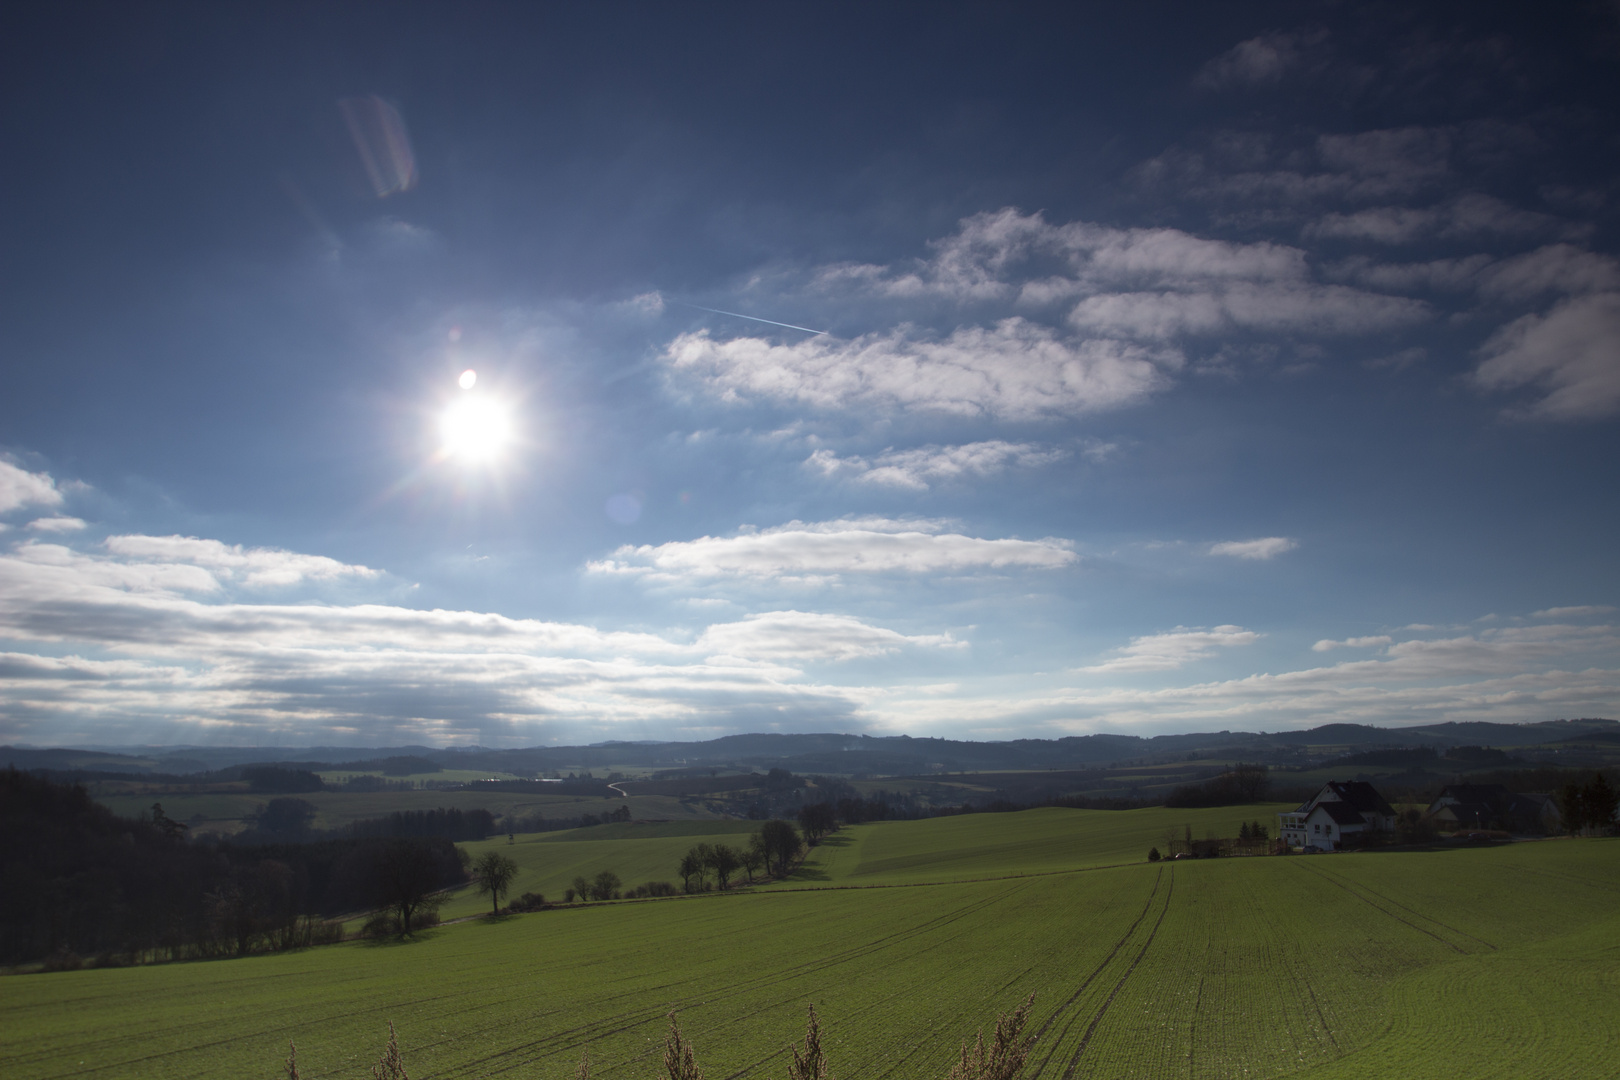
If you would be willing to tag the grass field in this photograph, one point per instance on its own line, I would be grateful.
(1497, 962)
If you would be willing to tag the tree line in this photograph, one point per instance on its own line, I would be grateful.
(1589, 809)
(82, 883)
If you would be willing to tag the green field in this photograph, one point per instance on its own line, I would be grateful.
(1480, 962)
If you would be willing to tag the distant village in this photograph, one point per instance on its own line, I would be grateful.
(1351, 814)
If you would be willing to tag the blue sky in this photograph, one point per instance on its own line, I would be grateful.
(1139, 368)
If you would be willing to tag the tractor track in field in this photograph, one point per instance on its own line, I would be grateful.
(1085, 1040)
(557, 1041)
(1068, 1003)
(1416, 913)
(1385, 911)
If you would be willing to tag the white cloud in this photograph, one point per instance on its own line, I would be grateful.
(374, 671)
(1561, 268)
(1257, 61)
(254, 567)
(1577, 611)
(1268, 547)
(1007, 255)
(1014, 370)
(57, 524)
(915, 469)
(1301, 307)
(1572, 353)
(819, 553)
(1370, 642)
(107, 647)
(1130, 296)
(1165, 652)
(647, 303)
(19, 488)
(804, 635)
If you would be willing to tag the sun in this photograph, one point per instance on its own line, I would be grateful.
(475, 429)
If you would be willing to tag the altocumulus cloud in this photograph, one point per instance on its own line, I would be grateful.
(1106, 329)
(1165, 652)
(821, 552)
(1015, 369)
(1266, 547)
(918, 468)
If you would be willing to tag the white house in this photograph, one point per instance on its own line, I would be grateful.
(1341, 813)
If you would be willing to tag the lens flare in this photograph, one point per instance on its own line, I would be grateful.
(475, 430)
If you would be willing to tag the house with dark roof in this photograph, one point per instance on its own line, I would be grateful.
(1493, 806)
(1343, 814)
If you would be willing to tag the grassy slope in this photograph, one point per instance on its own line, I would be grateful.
(1001, 845)
(1474, 963)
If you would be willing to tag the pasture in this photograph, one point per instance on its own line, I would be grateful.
(1499, 962)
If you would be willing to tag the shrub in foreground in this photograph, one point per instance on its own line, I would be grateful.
(1001, 1060)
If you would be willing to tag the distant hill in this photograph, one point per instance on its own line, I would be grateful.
(833, 753)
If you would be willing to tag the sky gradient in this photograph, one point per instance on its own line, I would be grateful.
(954, 370)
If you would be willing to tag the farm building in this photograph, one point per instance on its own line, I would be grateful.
(1343, 812)
(1492, 806)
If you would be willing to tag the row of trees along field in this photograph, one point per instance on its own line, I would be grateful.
(82, 882)
(772, 850)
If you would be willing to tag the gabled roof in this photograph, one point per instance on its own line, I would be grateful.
(1361, 795)
(1342, 813)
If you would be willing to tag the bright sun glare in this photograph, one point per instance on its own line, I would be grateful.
(475, 429)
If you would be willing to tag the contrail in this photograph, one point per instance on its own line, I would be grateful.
(753, 318)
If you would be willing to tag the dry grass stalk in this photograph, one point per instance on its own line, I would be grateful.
(1006, 1054)
(584, 1072)
(292, 1061)
(391, 1066)
(679, 1060)
(812, 1064)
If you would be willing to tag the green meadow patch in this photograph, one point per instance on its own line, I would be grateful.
(1495, 962)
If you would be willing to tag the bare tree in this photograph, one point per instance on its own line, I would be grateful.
(724, 862)
(494, 873)
(606, 886)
